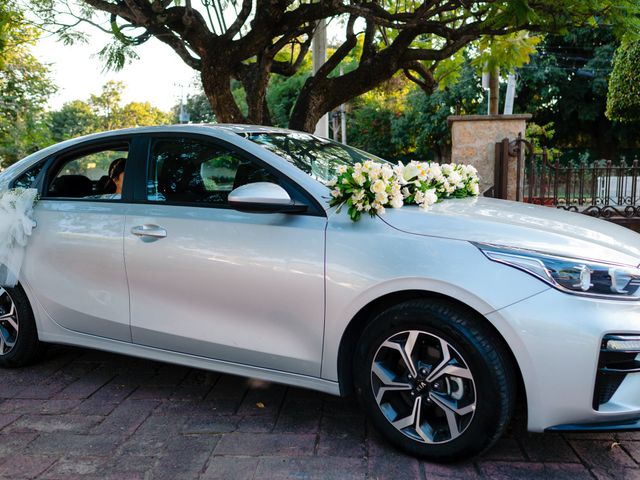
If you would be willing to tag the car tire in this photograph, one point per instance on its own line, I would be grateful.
(19, 344)
(457, 398)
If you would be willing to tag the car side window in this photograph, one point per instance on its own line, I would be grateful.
(27, 178)
(88, 175)
(186, 170)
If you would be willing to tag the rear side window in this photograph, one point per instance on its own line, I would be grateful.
(89, 175)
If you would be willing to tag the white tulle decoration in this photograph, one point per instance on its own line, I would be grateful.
(16, 225)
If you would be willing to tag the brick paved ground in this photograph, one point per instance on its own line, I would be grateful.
(85, 414)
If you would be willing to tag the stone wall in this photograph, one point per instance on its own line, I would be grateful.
(473, 139)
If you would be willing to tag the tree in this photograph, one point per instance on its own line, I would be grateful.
(565, 89)
(264, 37)
(75, 118)
(103, 112)
(24, 90)
(623, 101)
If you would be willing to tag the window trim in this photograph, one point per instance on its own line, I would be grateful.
(293, 188)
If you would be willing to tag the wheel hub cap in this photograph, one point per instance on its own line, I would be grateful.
(423, 386)
(8, 323)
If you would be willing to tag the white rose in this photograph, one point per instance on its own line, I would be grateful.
(332, 182)
(475, 189)
(397, 201)
(378, 186)
(341, 169)
(382, 198)
(387, 172)
(359, 178)
(335, 193)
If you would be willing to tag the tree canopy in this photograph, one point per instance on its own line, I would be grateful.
(24, 88)
(248, 41)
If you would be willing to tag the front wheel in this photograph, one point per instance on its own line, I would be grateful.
(434, 380)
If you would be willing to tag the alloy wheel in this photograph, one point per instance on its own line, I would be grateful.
(9, 324)
(423, 386)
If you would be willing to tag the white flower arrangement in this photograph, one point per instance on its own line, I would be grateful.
(369, 187)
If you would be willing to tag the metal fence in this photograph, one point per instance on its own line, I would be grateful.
(602, 188)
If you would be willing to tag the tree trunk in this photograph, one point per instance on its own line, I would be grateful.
(216, 83)
(255, 80)
(494, 92)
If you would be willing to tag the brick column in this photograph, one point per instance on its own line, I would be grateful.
(473, 139)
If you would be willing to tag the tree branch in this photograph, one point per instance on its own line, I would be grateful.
(240, 20)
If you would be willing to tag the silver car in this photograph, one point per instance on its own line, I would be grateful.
(218, 250)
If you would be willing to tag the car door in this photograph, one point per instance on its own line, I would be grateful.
(75, 260)
(212, 281)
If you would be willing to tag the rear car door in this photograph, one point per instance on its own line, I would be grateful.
(75, 260)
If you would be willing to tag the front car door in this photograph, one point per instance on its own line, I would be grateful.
(215, 282)
(75, 260)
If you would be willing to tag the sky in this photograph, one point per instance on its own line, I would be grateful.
(158, 76)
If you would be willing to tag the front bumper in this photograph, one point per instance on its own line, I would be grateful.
(620, 426)
(557, 340)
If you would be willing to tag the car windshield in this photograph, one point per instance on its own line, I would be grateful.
(318, 157)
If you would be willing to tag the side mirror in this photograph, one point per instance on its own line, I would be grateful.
(263, 197)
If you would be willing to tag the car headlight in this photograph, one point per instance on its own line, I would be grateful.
(571, 275)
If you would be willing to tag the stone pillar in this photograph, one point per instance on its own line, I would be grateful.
(473, 140)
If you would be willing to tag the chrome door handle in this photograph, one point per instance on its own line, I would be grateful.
(148, 230)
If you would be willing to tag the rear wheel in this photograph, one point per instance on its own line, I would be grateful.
(19, 344)
(434, 380)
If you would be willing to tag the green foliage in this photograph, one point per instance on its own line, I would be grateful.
(566, 85)
(282, 93)
(24, 90)
(404, 123)
(75, 118)
(623, 102)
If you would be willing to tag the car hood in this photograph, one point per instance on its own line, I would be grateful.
(520, 225)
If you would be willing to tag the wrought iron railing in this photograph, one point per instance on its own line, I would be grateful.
(600, 189)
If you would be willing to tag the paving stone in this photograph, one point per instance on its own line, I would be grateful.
(25, 466)
(384, 462)
(616, 474)
(95, 406)
(454, 471)
(116, 390)
(210, 424)
(257, 424)
(525, 471)
(237, 468)
(13, 443)
(185, 456)
(263, 399)
(505, 449)
(76, 445)
(162, 425)
(69, 467)
(265, 444)
(342, 436)
(127, 417)
(8, 419)
(547, 448)
(45, 391)
(299, 414)
(85, 386)
(313, 468)
(11, 391)
(54, 423)
(633, 448)
(606, 455)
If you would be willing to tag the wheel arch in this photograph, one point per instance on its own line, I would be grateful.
(364, 316)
